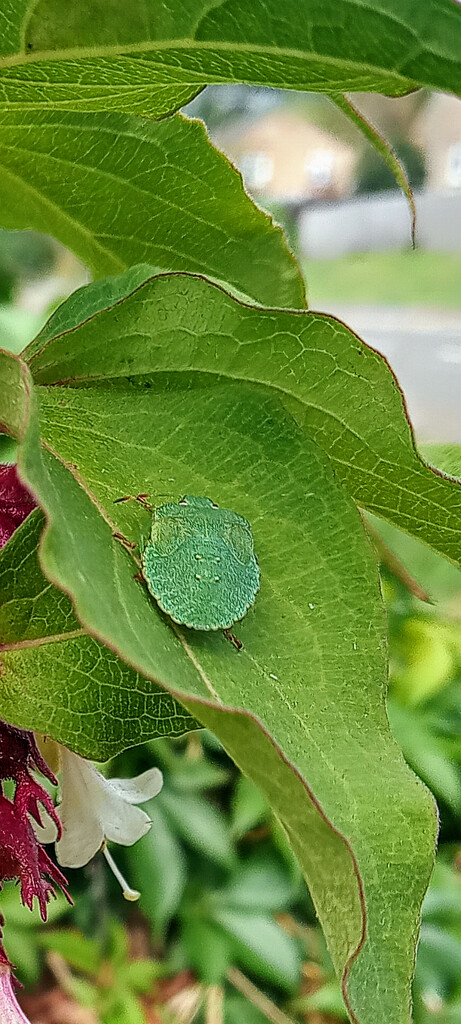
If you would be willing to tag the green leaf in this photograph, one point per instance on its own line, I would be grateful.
(427, 659)
(122, 1007)
(140, 974)
(116, 190)
(189, 771)
(238, 1010)
(326, 1000)
(157, 868)
(22, 949)
(80, 689)
(17, 327)
(209, 948)
(385, 151)
(200, 824)
(424, 751)
(258, 885)
(440, 579)
(193, 776)
(439, 958)
(338, 389)
(262, 946)
(80, 952)
(300, 709)
(14, 394)
(249, 807)
(150, 58)
(442, 904)
(447, 457)
(86, 301)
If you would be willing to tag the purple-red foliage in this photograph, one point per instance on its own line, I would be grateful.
(21, 854)
(16, 502)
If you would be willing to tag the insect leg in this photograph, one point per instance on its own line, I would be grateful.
(141, 498)
(128, 544)
(233, 639)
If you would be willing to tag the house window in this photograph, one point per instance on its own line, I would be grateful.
(319, 168)
(257, 169)
(453, 169)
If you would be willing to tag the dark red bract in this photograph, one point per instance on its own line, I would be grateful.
(19, 756)
(3, 956)
(16, 502)
(21, 854)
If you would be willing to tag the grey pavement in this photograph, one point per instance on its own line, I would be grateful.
(423, 347)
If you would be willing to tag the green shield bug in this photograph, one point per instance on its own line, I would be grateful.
(199, 563)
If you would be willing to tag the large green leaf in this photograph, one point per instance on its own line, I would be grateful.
(149, 57)
(341, 391)
(301, 707)
(119, 190)
(57, 678)
(447, 457)
(14, 395)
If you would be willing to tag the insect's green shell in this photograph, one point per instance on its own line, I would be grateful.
(200, 565)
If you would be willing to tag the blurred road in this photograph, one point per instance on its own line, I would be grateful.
(423, 347)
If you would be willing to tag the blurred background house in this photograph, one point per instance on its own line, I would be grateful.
(285, 159)
(437, 131)
(302, 160)
(350, 225)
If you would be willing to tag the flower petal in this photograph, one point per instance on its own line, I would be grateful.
(47, 832)
(124, 823)
(141, 788)
(79, 812)
(94, 808)
(81, 837)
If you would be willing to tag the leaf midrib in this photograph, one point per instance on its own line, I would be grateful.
(40, 641)
(130, 50)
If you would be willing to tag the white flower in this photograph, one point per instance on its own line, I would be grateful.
(94, 809)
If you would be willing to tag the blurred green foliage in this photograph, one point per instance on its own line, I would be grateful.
(23, 255)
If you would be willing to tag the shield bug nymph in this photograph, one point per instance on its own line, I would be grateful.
(199, 563)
